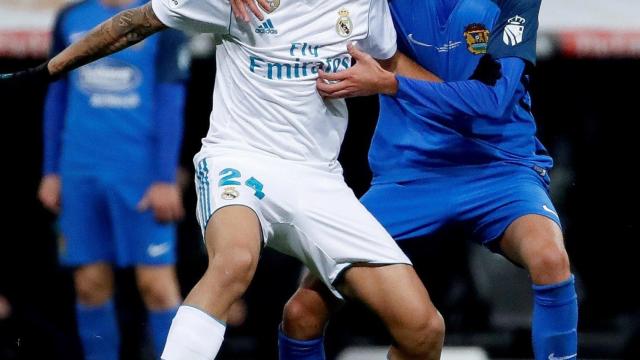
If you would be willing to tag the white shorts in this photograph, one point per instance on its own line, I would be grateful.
(306, 211)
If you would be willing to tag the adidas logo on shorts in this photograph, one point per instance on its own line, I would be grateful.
(267, 28)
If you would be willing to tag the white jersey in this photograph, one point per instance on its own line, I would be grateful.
(265, 96)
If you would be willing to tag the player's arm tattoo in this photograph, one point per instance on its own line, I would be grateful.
(121, 31)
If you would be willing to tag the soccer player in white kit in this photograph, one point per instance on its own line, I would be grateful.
(268, 173)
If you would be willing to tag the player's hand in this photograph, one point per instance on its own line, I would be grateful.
(165, 200)
(241, 9)
(365, 78)
(27, 79)
(489, 71)
(49, 192)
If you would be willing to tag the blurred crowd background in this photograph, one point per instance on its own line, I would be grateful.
(585, 100)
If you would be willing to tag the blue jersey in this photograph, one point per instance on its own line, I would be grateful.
(108, 117)
(515, 32)
(459, 122)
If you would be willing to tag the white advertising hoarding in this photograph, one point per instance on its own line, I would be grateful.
(25, 26)
(575, 28)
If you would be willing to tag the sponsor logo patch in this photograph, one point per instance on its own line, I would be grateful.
(267, 28)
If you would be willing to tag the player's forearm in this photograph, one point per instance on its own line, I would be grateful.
(119, 32)
(169, 126)
(401, 65)
(406, 67)
(460, 100)
(53, 125)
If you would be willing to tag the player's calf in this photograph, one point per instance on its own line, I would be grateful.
(159, 290)
(536, 242)
(95, 311)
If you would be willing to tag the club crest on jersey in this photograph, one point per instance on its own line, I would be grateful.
(477, 36)
(344, 26)
(229, 193)
(273, 5)
(514, 30)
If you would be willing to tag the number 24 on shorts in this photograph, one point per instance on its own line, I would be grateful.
(228, 179)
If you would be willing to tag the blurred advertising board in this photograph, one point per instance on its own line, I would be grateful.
(25, 26)
(570, 28)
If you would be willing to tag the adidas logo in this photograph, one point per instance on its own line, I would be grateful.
(266, 28)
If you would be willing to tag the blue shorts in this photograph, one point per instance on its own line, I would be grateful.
(99, 222)
(477, 201)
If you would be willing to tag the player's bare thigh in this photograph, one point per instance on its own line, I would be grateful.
(397, 295)
(233, 242)
(536, 243)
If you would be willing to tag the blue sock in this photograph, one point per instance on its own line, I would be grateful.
(98, 330)
(291, 349)
(555, 321)
(159, 324)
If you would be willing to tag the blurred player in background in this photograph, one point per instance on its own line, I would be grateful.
(459, 154)
(268, 170)
(112, 138)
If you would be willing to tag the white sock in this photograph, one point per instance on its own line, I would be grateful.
(194, 335)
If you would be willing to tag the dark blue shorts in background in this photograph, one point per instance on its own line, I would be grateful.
(99, 222)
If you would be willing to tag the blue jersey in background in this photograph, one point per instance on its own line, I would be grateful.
(120, 116)
(459, 123)
(112, 129)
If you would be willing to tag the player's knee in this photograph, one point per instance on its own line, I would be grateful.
(233, 268)
(550, 266)
(159, 293)
(93, 286)
(302, 319)
(426, 333)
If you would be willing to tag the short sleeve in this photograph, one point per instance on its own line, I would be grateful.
(381, 39)
(515, 32)
(200, 16)
(173, 59)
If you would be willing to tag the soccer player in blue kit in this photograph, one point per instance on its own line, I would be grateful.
(112, 137)
(459, 153)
